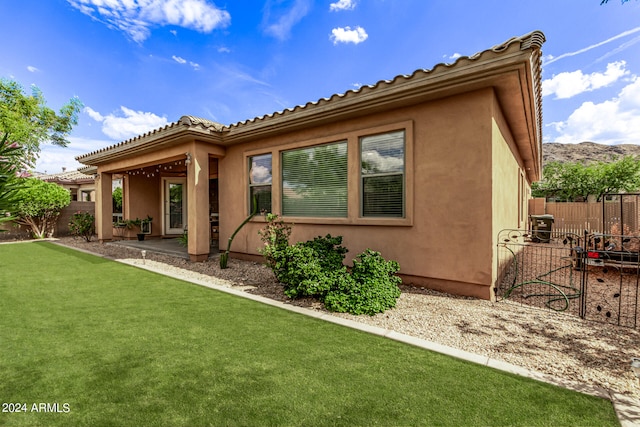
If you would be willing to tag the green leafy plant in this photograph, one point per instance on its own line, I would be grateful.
(25, 119)
(328, 250)
(373, 287)
(315, 269)
(8, 183)
(183, 239)
(82, 224)
(275, 236)
(130, 223)
(117, 199)
(39, 204)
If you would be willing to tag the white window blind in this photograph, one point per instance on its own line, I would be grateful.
(314, 181)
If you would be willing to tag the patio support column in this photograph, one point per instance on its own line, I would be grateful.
(104, 207)
(198, 205)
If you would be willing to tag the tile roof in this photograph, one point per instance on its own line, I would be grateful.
(66, 176)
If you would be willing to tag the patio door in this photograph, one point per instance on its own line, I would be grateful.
(175, 205)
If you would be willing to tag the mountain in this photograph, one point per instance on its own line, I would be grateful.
(586, 151)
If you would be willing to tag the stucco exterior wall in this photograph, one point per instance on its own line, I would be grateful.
(141, 197)
(446, 239)
(510, 190)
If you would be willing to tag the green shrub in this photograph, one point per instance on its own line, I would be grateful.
(315, 269)
(373, 287)
(275, 237)
(303, 273)
(328, 250)
(82, 224)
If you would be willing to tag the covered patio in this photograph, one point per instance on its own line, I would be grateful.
(169, 175)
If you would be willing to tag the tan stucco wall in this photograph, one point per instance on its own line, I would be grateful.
(511, 189)
(446, 240)
(141, 197)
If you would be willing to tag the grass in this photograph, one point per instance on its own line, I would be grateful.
(122, 346)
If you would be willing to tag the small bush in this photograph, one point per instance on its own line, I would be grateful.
(328, 250)
(315, 269)
(373, 287)
(305, 274)
(82, 224)
(275, 237)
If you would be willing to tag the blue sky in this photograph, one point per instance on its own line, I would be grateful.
(140, 64)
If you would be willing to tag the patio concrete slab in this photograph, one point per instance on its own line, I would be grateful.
(163, 246)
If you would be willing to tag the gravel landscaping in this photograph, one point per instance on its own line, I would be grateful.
(566, 347)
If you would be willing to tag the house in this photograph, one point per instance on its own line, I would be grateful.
(80, 185)
(426, 168)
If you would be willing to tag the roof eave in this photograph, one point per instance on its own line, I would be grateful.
(168, 136)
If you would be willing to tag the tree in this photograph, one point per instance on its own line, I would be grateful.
(571, 180)
(27, 121)
(38, 205)
(9, 153)
(117, 199)
(619, 176)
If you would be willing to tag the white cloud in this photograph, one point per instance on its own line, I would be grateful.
(133, 123)
(224, 49)
(93, 114)
(179, 60)
(616, 121)
(550, 59)
(53, 158)
(135, 18)
(32, 69)
(383, 163)
(569, 84)
(453, 57)
(342, 5)
(347, 35)
(285, 20)
(260, 174)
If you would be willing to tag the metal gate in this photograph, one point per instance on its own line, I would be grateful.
(592, 276)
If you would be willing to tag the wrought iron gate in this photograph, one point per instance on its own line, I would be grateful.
(592, 276)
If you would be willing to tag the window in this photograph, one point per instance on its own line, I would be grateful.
(260, 182)
(382, 175)
(314, 181)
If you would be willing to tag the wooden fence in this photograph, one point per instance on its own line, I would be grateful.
(620, 215)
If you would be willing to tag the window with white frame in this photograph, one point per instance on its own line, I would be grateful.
(382, 159)
(260, 182)
(314, 181)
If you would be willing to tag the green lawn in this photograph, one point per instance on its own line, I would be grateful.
(121, 346)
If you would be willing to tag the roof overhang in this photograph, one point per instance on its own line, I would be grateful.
(186, 130)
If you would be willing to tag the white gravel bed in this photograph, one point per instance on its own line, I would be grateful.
(568, 348)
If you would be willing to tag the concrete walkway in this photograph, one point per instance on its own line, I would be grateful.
(163, 246)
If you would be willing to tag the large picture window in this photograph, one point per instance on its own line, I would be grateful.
(382, 159)
(314, 181)
(260, 182)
